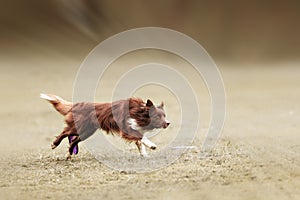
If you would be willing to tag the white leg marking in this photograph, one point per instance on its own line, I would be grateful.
(148, 143)
(143, 151)
(142, 148)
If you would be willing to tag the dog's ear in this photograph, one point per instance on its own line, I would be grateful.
(161, 106)
(149, 103)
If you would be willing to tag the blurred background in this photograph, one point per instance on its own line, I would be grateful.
(231, 31)
(256, 46)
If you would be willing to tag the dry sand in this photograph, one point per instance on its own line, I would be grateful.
(257, 157)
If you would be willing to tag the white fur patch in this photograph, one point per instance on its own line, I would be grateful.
(133, 124)
(45, 96)
(143, 150)
(148, 143)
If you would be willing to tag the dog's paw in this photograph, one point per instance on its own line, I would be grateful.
(153, 147)
(68, 156)
(53, 146)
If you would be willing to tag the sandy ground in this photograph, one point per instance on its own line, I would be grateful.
(257, 157)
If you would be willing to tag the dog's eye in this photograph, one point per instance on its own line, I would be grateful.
(156, 116)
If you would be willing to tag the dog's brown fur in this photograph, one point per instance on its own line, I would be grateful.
(83, 119)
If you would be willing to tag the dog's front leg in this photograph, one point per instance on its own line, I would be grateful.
(148, 143)
(142, 148)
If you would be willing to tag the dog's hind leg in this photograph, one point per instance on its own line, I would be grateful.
(73, 144)
(84, 134)
(67, 132)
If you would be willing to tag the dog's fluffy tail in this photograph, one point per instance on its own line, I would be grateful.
(62, 106)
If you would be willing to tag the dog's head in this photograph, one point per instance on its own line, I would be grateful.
(157, 115)
(146, 116)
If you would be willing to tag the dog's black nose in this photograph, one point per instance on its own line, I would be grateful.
(166, 124)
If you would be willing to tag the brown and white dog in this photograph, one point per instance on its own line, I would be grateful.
(129, 118)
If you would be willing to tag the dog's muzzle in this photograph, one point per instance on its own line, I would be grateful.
(166, 124)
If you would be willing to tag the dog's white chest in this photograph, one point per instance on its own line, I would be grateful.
(133, 124)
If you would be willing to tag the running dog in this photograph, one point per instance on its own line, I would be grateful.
(129, 118)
